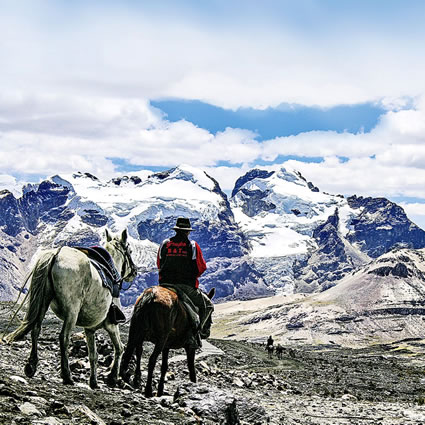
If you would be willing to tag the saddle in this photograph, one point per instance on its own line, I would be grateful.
(102, 261)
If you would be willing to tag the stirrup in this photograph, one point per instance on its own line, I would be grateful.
(198, 339)
(204, 333)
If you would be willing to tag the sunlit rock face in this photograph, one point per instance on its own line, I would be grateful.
(381, 225)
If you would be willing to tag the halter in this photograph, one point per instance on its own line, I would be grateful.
(128, 264)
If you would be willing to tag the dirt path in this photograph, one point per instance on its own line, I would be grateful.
(207, 350)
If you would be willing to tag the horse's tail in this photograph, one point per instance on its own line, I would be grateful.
(140, 321)
(138, 327)
(40, 295)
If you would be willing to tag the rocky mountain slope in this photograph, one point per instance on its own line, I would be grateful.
(276, 233)
(383, 301)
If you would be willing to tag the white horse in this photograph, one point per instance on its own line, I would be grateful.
(65, 280)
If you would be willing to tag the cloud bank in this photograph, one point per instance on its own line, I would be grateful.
(292, 52)
(47, 135)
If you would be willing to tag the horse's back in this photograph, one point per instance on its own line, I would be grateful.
(71, 260)
(160, 295)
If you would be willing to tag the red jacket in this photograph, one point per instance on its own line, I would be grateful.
(180, 261)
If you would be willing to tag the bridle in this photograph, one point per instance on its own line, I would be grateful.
(128, 265)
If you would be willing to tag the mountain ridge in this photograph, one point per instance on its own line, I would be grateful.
(277, 233)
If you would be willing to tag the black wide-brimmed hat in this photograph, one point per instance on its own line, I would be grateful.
(182, 223)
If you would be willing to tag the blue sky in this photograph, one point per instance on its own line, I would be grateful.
(334, 89)
(283, 120)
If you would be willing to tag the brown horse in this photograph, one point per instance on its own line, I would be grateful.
(158, 317)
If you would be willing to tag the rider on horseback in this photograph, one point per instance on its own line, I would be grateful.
(180, 263)
(270, 341)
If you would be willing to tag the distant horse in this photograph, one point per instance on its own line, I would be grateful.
(279, 351)
(270, 350)
(65, 280)
(158, 317)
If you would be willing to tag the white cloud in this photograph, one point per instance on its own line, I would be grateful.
(416, 212)
(131, 52)
(388, 161)
(364, 177)
(44, 135)
(414, 208)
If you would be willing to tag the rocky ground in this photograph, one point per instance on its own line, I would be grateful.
(382, 384)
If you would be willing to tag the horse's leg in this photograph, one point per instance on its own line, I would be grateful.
(190, 353)
(138, 371)
(151, 366)
(135, 337)
(128, 354)
(164, 368)
(31, 366)
(64, 335)
(91, 345)
(114, 334)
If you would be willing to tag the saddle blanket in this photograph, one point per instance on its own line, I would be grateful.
(102, 261)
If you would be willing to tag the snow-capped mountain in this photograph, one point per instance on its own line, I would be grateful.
(75, 209)
(277, 232)
(279, 211)
(305, 240)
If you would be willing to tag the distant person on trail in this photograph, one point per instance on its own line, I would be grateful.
(270, 341)
(180, 262)
(269, 347)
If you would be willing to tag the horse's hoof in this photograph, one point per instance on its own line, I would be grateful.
(111, 382)
(148, 394)
(125, 377)
(30, 370)
(68, 381)
(93, 384)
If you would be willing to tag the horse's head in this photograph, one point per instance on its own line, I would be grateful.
(208, 322)
(120, 246)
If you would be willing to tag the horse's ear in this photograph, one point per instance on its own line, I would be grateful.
(124, 236)
(211, 293)
(108, 236)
